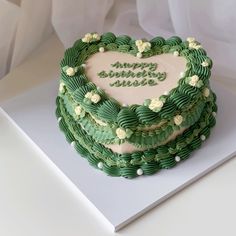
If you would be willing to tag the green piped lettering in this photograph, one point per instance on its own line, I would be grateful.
(138, 70)
(102, 74)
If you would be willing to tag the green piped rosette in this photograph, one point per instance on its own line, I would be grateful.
(91, 119)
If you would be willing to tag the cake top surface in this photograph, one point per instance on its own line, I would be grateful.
(135, 106)
(126, 82)
(151, 77)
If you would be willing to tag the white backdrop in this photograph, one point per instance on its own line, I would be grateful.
(25, 24)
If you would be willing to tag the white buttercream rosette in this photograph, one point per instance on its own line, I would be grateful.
(93, 97)
(91, 37)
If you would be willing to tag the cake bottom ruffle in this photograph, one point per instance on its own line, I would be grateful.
(130, 165)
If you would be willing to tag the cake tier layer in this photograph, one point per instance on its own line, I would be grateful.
(141, 162)
(135, 106)
(121, 63)
(143, 137)
(105, 74)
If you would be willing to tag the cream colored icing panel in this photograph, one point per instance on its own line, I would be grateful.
(129, 148)
(168, 63)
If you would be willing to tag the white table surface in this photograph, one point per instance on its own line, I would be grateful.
(37, 200)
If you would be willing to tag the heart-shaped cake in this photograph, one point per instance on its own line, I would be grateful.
(133, 107)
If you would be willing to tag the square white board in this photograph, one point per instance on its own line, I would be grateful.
(118, 199)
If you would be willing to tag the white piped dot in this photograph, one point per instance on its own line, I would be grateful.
(203, 137)
(100, 165)
(59, 119)
(206, 92)
(214, 113)
(139, 171)
(191, 39)
(204, 64)
(124, 105)
(176, 53)
(177, 159)
(72, 144)
(70, 71)
(83, 65)
(182, 74)
(139, 55)
(166, 93)
(101, 49)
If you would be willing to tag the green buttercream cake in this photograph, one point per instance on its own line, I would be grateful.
(133, 107)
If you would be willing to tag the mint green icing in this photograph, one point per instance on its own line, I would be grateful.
(134, 83)
(127, 118)
(147, 116)
(185, 99)
(79, 93)
(147, 74)
(112, 47)
(142, 65)
(177, 48)
(122, 40)
(124, 48)
(165, 48)
(108, 38)
(108, 111)
(185, 52)
(75, 82)
(157, 50)
(92, 49)
(126, 164)
(158, 41)
(79, 45)
(168, 110)
(174, 40)
(180, 100)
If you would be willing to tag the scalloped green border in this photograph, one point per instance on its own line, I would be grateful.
(149, 161)
(106, 134)
(178, 99)
(108, 109)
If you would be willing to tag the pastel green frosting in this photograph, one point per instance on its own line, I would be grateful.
(150, 161)
(89, 135)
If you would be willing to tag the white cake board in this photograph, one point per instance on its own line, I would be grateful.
(120, 200)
